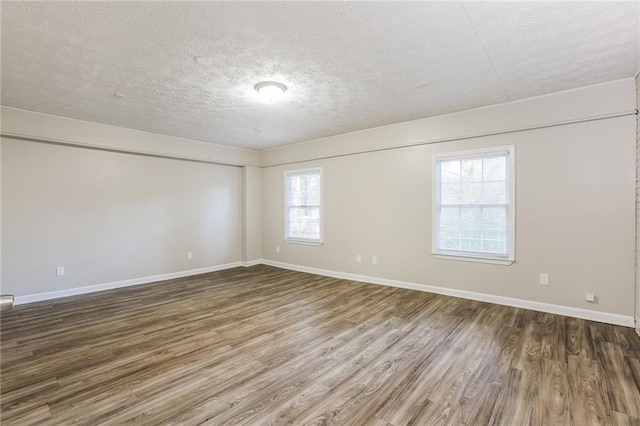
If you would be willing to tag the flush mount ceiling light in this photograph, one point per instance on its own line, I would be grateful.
(270, 90)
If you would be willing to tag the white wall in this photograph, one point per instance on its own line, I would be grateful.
(111, 216)
(575, 186)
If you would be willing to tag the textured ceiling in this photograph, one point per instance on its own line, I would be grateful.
(188, 68)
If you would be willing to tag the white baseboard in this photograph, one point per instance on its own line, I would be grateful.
(616, 319)
(252, 262)
(20, 300)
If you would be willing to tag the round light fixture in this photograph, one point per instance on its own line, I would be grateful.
(270, 90)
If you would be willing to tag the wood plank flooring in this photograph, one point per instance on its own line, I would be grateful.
(266, 346)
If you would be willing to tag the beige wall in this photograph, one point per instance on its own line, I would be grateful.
(575, 189)
(110, 216)
(38, 126)
(252, 214)
(602, 100)
(1, 286)
(637, 290)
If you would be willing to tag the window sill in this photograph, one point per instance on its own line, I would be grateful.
(304, 242)
(493, 261)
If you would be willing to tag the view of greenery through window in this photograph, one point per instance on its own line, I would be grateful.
(303, 205)
(474, 205)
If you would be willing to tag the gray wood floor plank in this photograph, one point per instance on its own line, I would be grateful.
(266, 346)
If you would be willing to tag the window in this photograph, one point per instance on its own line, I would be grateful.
(473, 208)
(303, 209)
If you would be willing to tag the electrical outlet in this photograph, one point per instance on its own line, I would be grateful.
(358, 258)
(60, 271)
(544, 279)
(277, 249)
(189, 255)
(591, 298)
(374, 260)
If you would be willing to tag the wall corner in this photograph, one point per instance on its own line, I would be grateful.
(251, 214)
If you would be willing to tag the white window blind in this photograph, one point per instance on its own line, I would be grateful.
(303, 197)
(473, 209)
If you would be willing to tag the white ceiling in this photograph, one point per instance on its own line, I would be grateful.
(188, 68)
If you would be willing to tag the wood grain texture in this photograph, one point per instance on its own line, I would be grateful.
(266, 346)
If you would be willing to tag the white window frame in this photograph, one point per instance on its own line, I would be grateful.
(475, 256)
(287, 239)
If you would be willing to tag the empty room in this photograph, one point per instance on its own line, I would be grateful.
(320, 213)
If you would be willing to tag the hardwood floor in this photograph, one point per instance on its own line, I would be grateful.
(265, 346)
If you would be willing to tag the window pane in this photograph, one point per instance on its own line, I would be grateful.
(450, 233)
(471, 193)
(495, 192)
(497, 247)
(495, 230)
(473, 209)
(451, 193)
(494, 234)
(304, 189)
(309, 230)
(494, 168)
(495, 217)
(450, 218)
(471, 222)
(450, 228)
(450, 171)
(303, 205)
(471, 244)
(472, 170)
(450, 243)
(304, 213)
